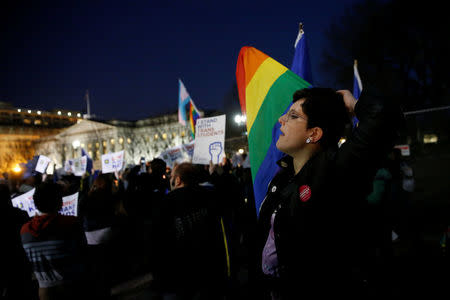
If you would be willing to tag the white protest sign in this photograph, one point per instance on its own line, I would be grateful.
(70, 205)
(79, 166)
(68, 166)
(172, 156)
(189, 149)
(404, 149)
(25, 202)
(42, 164)
(209, 140)
(112, 162)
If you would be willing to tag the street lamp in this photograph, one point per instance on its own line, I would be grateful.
(240, 119)
(76, 144)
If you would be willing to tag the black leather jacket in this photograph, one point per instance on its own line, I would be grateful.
(320, 212)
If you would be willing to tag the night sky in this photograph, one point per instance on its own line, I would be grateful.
(130, 54)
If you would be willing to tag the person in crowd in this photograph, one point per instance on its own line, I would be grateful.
(191, 257)
(29, 181)
(15, 273)
(55, 246)
(311, 224)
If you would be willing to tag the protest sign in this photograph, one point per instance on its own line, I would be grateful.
(172, 156)
(209, 140)
(189, 149)
(112, 162)
(25, 202)
(404, 149)
(42, 164)
(79, 166)
(70, 205)
(68, 166)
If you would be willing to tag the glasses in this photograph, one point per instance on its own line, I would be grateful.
(292, 115)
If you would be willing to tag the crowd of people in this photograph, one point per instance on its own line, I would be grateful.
(188, 226)
(195, 227)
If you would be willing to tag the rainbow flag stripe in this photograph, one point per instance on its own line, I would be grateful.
(265, 92)
(193, 116)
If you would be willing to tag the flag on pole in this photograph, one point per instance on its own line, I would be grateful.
(357, 87)
(265, 91)
(188, 113)
(300, 64)
(357, 84)
(89, 164)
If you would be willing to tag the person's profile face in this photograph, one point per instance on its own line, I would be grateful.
(293, 129)
(172, 179)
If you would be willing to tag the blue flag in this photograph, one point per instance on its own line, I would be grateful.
(89, 164)
(300, 64)
(29, 167)
(357, 87)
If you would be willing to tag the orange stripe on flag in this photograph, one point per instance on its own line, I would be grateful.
(249, 61)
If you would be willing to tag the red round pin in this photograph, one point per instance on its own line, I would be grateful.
(304, 193)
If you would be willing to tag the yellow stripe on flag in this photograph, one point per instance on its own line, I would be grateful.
(258, 87)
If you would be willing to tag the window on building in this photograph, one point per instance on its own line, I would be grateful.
(37, 122)
(430, 139)
(26, 121)
(121, 140)
(164, 136)
(128, 140)
(156, 136)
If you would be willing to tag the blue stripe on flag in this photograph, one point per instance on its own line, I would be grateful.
(357, 89)
(268, 167)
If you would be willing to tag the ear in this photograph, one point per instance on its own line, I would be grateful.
(316, 134)
(177, 181)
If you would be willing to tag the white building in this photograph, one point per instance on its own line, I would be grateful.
(144, 138)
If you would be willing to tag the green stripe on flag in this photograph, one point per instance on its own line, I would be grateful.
(275, 103)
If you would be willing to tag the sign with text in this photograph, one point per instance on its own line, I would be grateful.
(25, 202)
(70, 205)
(68, 166)
(112, 162)
(189, 149)
(404, 149)
(42, 164)
(209, 140)
(79, 165)
(173, 155)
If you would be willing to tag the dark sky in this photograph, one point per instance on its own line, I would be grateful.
(130, 54)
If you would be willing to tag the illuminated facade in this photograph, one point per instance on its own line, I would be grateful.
(21, 127)
(144, 138)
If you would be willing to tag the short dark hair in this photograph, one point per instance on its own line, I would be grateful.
(48, 197)
(187, 172)
(325, 109)
(158, 166)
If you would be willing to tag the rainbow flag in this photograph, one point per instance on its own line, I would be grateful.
(188, 113)
(193, 116)
(265, 91)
